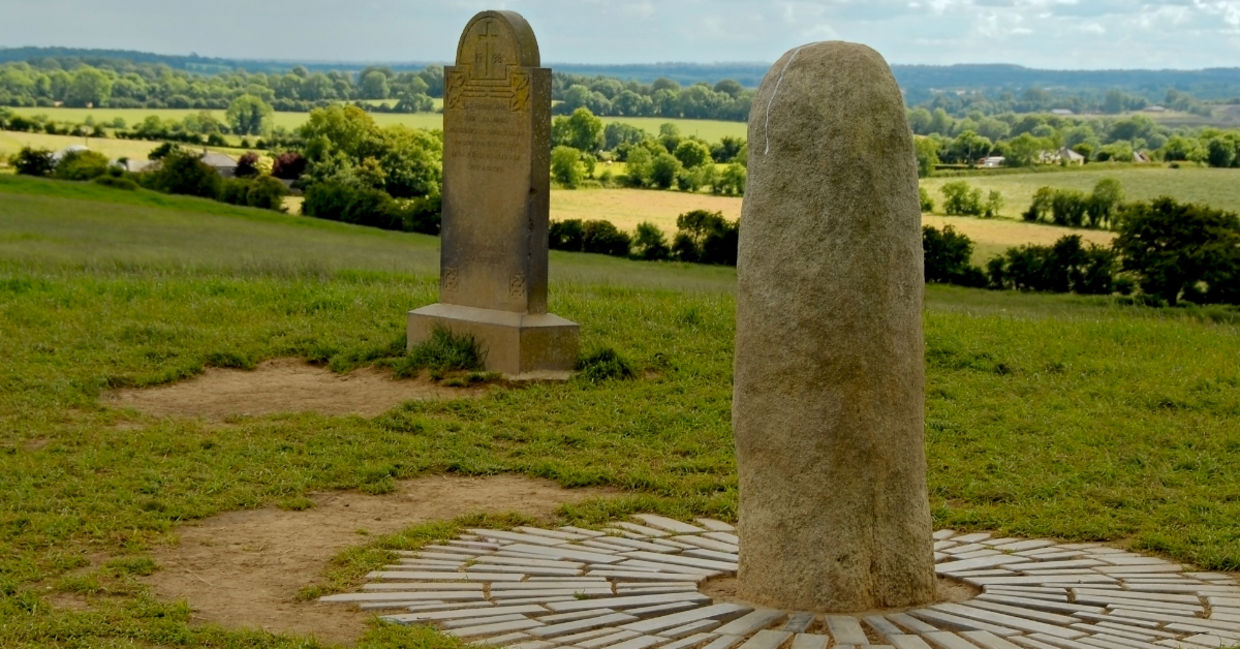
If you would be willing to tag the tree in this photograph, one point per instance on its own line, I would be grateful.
(927, 152)
(373, 84)
(1103, 201)
(664, 169)
(89, 87)
(692, 153)
(566, 166)
(249, 115)
(1173, 247)
(581, 130)
(961, 199)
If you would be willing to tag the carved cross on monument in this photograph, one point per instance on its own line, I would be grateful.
(485, 59)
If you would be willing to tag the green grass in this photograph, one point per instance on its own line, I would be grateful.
(1057, 416)
(1214, 187)
(709, 130)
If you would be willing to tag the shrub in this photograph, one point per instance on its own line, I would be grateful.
(1065, 266)
(81, 165)
(566, 235)
(247, 165)
(960, 199)
(604, 238)
(706, 237)
(267, 193)
(288, 166)
(181, 172)
(923, 197)
(33, 162)
(947, 255)
(649, 243)
(1180, 250)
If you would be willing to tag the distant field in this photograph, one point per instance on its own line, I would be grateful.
(627, 207)
(1219, 188)
(12, 141)
(709, 130)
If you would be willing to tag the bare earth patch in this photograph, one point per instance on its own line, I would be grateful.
(282, 385)
(243, 569)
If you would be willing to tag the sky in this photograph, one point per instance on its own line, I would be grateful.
(1055, 34)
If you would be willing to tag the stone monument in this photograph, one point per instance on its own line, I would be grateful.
(496, 167)
(828, 381)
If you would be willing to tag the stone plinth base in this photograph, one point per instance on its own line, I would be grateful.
(518, 345)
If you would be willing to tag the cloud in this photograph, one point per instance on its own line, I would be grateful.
(1228, 10)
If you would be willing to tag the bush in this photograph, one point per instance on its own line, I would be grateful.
(81, 165)
(267, 193)
(603, 238)
(706, 237)
(923, 197)
(960, 199)
(33, 162)
(181, 172)
(1066, 266)
(288, 166)
(947, 255)
(247, 165)
(363, 206)
(649, 243)
(566, 235)
(1181, 250)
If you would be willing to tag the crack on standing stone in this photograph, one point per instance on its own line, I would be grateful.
(766, 125)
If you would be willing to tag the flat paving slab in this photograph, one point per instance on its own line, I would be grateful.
(634, 588)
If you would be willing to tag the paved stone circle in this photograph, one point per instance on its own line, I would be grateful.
(636, 585)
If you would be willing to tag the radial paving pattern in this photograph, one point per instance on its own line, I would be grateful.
(636, 586)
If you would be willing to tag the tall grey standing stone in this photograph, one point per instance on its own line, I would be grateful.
(827, 403)
(493, 258)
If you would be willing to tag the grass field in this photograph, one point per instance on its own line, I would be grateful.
(627, 207)
(710, 130)
(1058, 416)
(12, 141)
(1219, 188)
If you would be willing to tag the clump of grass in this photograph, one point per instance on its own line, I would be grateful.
(443, 352)
(603, 365)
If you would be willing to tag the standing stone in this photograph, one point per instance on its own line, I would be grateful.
(496, 167)
(827, 405)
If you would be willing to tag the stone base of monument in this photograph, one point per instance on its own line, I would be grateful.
(517, 345)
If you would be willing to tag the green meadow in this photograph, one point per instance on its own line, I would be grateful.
(1073, 418)
(709, 130)
(1219, 188)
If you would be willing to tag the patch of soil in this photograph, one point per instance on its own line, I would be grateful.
(244, 568)
(283, 385)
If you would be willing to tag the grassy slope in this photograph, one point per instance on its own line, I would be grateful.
(1046, 415)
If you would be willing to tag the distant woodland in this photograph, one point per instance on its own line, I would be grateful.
(128, 79)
